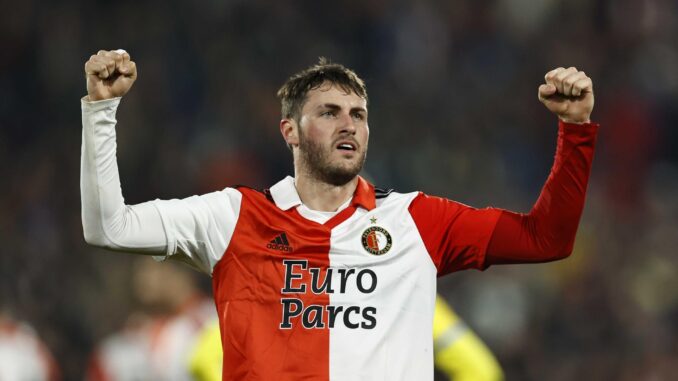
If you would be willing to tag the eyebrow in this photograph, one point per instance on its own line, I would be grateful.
(333, 106)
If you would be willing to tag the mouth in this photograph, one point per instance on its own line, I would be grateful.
(346, 145)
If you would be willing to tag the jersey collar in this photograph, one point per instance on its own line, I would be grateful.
(285, 195)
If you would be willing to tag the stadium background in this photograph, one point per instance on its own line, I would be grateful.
(453, 112)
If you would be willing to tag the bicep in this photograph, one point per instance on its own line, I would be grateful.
(455, 235)
(526, 238)
(199, 228)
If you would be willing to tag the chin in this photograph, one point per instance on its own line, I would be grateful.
(340, 176)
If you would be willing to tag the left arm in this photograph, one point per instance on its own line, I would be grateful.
(458, 237)
(547, 232)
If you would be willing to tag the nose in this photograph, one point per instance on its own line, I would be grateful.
(347, 125)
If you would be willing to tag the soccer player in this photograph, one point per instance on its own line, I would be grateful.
(323, 276)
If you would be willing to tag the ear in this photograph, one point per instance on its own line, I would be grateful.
(290, 132)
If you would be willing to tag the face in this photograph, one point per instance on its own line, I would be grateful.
(332, 135)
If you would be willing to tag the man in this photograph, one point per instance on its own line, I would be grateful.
(323, 276)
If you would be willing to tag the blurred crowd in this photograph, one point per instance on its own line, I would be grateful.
(453, 112)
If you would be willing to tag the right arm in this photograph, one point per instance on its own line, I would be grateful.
(107, 221)
(197, 229)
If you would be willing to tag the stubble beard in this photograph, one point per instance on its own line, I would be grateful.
(316, 161)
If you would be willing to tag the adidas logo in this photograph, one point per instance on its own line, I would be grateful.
(280, 243)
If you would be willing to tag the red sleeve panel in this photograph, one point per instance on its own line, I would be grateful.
(547, 233)
(455, 235)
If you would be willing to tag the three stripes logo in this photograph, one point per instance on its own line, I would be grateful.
(281, 243)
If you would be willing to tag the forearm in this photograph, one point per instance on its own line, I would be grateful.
(107, 221)
(548, 231)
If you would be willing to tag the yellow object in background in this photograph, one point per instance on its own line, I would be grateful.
(206, 359)
(459, 353)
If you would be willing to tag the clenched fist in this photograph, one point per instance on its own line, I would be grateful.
(110, 74)
(568, 93)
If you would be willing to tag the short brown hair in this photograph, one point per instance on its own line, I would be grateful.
(293, 93)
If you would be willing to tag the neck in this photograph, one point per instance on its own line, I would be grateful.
(322, 196)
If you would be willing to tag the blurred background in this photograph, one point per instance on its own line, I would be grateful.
(453, 112)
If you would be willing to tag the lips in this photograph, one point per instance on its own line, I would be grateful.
(346, 145)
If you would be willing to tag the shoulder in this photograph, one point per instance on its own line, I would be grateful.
(253, 194)
(389, 197)
(236, 194)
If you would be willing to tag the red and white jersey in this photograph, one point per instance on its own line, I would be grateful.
(311, 295)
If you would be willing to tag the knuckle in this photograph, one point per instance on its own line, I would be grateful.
(553, 72)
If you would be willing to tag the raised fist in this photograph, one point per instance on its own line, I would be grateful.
(568, 93)
(110, 74)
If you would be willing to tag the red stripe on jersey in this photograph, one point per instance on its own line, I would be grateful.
(248, 287)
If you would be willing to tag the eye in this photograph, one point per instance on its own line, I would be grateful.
(358, 116)
(328, 113)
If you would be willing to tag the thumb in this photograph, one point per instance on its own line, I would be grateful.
(546, 91)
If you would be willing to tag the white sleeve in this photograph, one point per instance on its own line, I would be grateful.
(197, 229)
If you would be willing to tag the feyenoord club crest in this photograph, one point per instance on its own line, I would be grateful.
(376, 240)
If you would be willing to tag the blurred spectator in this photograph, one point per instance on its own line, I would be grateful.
(155, 342)
(23, 356)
